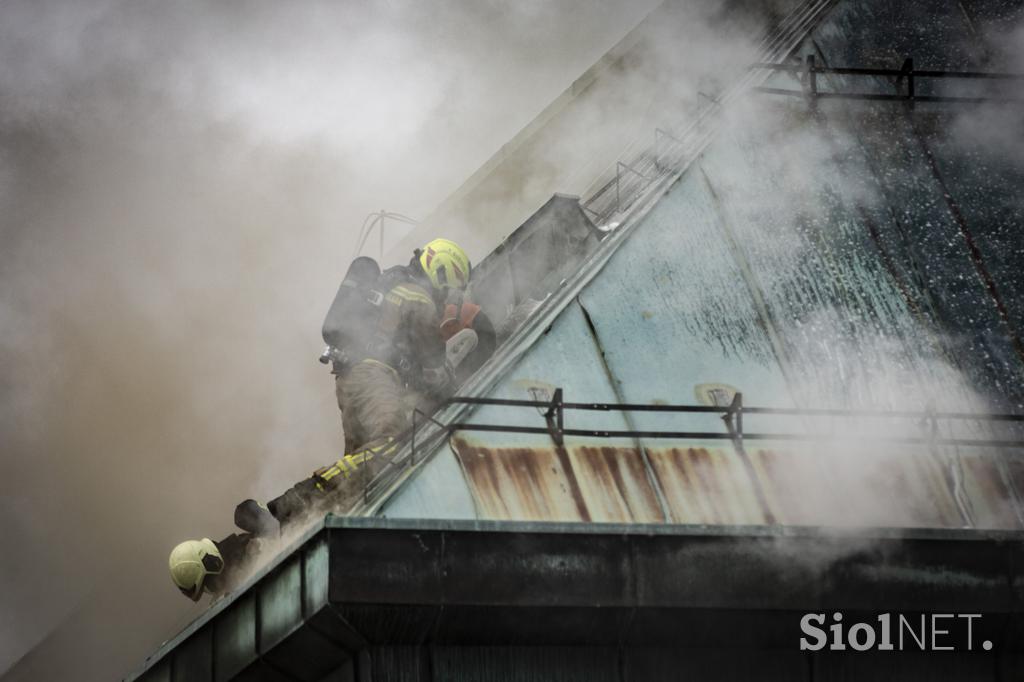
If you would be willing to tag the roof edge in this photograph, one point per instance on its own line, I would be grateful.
(674, 529)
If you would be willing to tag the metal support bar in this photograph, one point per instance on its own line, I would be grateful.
(554, 413)
(662, 133)
(873, 97)
(364, 472)
(733, 417)
(658, 135)
(791, 411)
(555, 418)
(809, 69)
(923, 73)
(412, 437)
(952, 461)
(412, 445)
(622, 165)
(618, 181)
(908, 71)
(811, 83)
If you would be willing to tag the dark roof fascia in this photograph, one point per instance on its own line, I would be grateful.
(682, 530)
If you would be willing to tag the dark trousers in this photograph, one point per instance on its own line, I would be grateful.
(374, 403)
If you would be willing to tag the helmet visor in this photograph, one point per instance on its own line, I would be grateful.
(213, 564)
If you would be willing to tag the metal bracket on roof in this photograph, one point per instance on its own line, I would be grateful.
(907, 71)
(733, 419)
(810, 82)
(808, 72)
(555, 418)
(417, 412)
(618, 181)
(659, 135)
(930, 423)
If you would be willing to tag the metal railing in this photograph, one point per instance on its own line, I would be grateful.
(376, 220)
(555, 426)
(638, 170)
(905, 81)
(732, 415)
(669, 151)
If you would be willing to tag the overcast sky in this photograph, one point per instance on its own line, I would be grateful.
(180, 184)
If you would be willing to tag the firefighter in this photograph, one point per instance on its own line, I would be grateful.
(204, 566)
(384, 339)
(394, 337)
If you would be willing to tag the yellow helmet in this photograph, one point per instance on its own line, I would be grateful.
(446, 264)
(191, 562)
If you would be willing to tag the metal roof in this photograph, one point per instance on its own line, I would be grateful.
(640, 202)
(858, 287)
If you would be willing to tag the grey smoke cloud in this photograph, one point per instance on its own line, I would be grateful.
(180, 185)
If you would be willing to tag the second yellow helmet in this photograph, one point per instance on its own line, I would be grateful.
(190, 563)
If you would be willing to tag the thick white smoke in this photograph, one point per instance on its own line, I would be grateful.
(180, 186)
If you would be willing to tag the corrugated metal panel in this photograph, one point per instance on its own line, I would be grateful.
(712, 486)
(894, 487)
(600, 484)
(791, 486)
